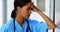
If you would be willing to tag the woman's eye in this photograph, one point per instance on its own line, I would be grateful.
(29, 8)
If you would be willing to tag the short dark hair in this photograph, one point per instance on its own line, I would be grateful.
(19, 3)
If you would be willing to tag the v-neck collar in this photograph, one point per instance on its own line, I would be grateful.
(18, 26)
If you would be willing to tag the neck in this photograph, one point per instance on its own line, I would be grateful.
(19, 19)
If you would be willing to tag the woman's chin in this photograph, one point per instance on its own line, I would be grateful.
(27, 17)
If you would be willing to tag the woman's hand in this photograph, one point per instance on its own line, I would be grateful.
(34, 8)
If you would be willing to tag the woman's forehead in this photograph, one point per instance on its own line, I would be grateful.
(29, 4)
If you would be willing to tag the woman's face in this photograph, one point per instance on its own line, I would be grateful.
(25, 11)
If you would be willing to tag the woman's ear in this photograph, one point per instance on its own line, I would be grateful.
(18, 8)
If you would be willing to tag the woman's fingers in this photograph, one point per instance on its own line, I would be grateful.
(33, 7)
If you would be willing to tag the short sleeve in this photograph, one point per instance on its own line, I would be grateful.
(7, 27)
(38, 26)
(3, 29)
(42, 27)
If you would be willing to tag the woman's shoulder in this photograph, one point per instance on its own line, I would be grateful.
(37, 23)
(33, 21)
(38, 26)
(6, 26)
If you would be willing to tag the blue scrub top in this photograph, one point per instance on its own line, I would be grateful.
(35, 26)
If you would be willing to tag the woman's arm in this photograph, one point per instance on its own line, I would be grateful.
(50, 23)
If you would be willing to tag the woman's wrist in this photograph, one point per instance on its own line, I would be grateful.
(38, 10)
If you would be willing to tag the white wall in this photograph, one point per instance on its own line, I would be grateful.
(10, 7)
(57, 16)
(0, 13)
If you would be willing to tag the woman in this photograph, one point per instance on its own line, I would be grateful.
(20, 21)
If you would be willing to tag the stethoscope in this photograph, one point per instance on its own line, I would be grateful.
(28, 28)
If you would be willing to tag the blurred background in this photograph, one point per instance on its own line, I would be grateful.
(50, 7)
